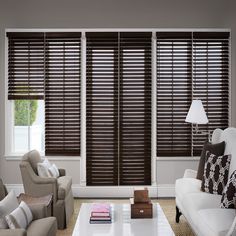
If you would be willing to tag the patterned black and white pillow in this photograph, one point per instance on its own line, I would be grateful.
(216, 173)
(229, 193)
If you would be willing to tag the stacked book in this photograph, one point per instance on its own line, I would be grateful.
(100, 214)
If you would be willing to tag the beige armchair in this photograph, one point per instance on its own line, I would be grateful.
(40, 225)
(63, 201)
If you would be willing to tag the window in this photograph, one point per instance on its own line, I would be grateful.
(26, 89)
(45, 68)
(190, 66)
(118, 108)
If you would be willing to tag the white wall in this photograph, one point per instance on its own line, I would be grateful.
(112, 14)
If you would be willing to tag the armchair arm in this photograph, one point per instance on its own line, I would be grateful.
(35, 185)
(13, 232)
(39, 211)
(62, 172)
(190, 173)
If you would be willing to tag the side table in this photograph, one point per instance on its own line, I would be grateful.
(45, 200)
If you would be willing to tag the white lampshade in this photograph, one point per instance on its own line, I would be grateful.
(196, 113)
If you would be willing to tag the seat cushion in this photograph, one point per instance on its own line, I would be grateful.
(64, 186)
(215, 222)
(43, 227)
(193, 202)
(187, 185)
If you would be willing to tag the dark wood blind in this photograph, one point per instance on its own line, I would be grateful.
(102, 108)
(62, 93)
(135, 108)
(211, 80)
(25, 65)
(174, 66)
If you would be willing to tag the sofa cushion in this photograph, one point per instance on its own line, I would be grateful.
(21, 217)
(187, 185)
(43, 227)
(229, 193)
(217, 149)
(215, 173)
(64, 186)
(7, 205)
(215, 222)
(193, 202)
(33, 157)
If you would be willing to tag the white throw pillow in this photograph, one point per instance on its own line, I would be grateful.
(43, 170)
(21, 217)
(53, 170)
(7, 205)
(47, 163)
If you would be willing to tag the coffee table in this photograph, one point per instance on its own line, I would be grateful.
(122, 224)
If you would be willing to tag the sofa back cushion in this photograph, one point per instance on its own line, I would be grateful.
(217, 149)
(229, 136)
(33, 157)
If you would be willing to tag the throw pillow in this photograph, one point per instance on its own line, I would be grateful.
(7, 205)
(47, 163)
(43, 170)
(21, 217)
(54, 172)
(216, 172)
(217, 149)
(229, 193)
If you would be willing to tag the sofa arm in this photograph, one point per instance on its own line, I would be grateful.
(39, 211)
(62, 172)
(190, 173)
(13, 232)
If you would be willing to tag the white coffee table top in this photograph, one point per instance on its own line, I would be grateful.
(122, 224)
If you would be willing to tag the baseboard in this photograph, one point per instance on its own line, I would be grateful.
(18, 188)
(161, 190)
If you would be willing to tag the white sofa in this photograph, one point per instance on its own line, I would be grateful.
(202, 210)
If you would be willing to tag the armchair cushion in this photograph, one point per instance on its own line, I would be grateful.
(64, 186)
(33, 157)
(43, 227)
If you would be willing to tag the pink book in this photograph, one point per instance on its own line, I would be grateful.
(100, 208)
